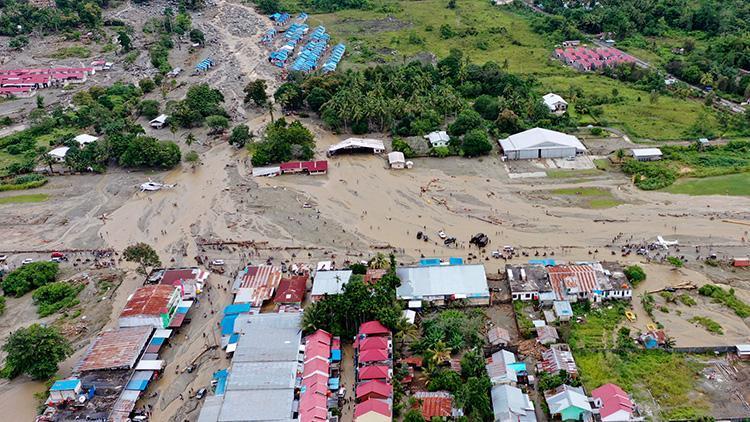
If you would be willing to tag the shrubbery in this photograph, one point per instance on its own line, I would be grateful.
(29, 277)
(728, 298)
(52, 297)
(26, 181)
(635, 274)
(283, 142)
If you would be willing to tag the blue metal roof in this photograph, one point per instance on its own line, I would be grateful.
(138, 385)
(545, 262)
(63, 385)
(335, 355)
(227, 325)
(428, 262)
(158, 340)
(234, 338)
(237, 308)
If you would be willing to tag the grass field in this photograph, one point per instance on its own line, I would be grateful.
(24, 199)
(570, 174)
(667, 378)
(733, 184)
(396, 31)
(594, 198)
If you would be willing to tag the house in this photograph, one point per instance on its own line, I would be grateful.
(190, 280)
(743, 351)
(372, 343)
(372, 410)
(434, 404)
(510, 404)
(375, 389)
(443, 284)
(153, 305)
(527, 282)
(373, 328)
(310, 167)
(502, 3)
(115, 349)
(541, 143)
(563, 311)
(256, 284)
(438, 139)
(329, 283)
(498, 336)
(64, 390)
(375, 372)
(646, 154)
(613, 403)
(570, 403)
(159, 121)
(573, 282)
(373, 356)
(559, 358)
(571, 43)
(58, 154)
(374, 146)
(396, 160)
(555, 103)
(546, 335)
(291, 291)
(501, 368)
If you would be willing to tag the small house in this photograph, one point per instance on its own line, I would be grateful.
(159, 121)
(569, 403)
(375, 389)
(372, 410)
(555, 103)
(647, 154)
(613, 403)
(84, 139)
(329, 283)
(743, 351)
(498, 336)
(153, 305)
(547, 335)
(65, 390)
(396, 160)
(443, 284)
(58, 154)
(563, 311)
(501, 368)
(510, 404)
(438, 139)
(434, 404)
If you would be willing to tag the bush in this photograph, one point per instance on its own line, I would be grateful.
(52, 297)
(476, 142)
(635, 274)
(145, 151)
(149, 108)
(29, 277)
(675, 261)
(440, 152)
(2, 305)
(358, 268)
(649, 176)
(727, 298)
(710, 325)
(466, 121)
(26, 181)
(147, 85)
(401, 145)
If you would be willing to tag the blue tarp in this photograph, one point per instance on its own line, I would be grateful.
(234, 338)
(227, 325)
(455, 261)
(237, 308)
(158, 340)
(335, 355)
(429, 262)
(545, 262)
(138, 385)
(221, 381)
(63, 385)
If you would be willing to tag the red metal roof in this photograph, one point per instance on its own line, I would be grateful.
(309, 166)
(564, 277)
(373, 328)
(378, 388)
(375, 372)
(313, 350)
(432, 404)
(614, 399)
(149, 300)
(373, 405)
(374, 355)
(115, 349)
(316, 365)
(319, 336)
(175, 276)
(261, 276)
(291, 290)
(372, 343)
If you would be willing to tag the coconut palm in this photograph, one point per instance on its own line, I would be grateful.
(379, 262)
(439, 353)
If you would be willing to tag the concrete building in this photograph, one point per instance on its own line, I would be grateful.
(501, 368)
(527, 282)
(613, 403)
(541, 143)
(555, 103)
(558, 358)
(569, 403)
(442, 284)
(153, 305)
(647, 154)
(563, 310)
(438, 139)
(510, 404)
(396, 160)
(58, 154)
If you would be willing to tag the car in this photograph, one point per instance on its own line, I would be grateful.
(217, 262)
(342, 392)
(58, 260)
(419, 235)
(3, 258)
(200, 394)
(570, 158)
(496, 254)
(449, 241)
(57, 255)
(27, 261)
(442, 234)
(480, 240)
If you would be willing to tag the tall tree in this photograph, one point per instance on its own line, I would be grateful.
(35, 351)
(142, 254)
(255, 91)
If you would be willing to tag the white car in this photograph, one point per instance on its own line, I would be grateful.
(217, 262)
(442, 234)
(27, 261)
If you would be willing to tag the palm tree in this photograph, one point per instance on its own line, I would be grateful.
(379, 262)
(45, 158)
(669, 342)
(620, 154)
(439, 353)
(406, 330)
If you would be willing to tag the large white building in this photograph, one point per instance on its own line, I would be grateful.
(444, 283)
(541, 143)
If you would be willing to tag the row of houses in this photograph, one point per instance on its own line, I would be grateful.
(592, 281)
(25, 82)
(585, 59)
(319, 377)
(307, 167)
(120, 364)
(373, 362)
(434, 284)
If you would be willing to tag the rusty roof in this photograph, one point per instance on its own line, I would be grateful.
(567, 278)
(149, 300)
(434, 404)
(115, 349)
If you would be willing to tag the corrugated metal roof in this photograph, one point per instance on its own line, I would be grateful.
(330, 282)
(435, 403)
(149, 300)
(268, 337)
(262, 375)
(112, 349)
(262, 279)
(566, 278)
(511, 404)
(539, 138)
(419, 282)
(257, 405)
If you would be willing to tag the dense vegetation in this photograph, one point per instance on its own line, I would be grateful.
(29, 277)
(35, 351)
(727, 298)
(26, 181)
(284, 142)
(53, 297)
(690, 161)
(200, 103)
(635, 274)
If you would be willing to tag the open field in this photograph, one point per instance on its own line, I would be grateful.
(733, 185)
(24, 199)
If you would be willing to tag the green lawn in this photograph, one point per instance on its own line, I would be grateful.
(23, 199)
(668, 378)
(733, 184)
(570, 174)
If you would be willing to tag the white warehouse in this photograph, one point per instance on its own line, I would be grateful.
(541, 143)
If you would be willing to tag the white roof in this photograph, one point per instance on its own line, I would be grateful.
(437, 137)
(420, 282)
(84, 139)
(743, 348)
(149, 365)
(539, 138)
(244, 295)
(60, 152)
(567, 397)
(266, 171)
(551, 99)
(646, 152)
(396, 157)
(160, 119)
(330, 282)
(357, 143)
(511, 404)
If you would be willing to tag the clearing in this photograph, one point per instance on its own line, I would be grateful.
(732, 184)
(22, 199)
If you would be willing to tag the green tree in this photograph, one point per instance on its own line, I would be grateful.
(193, 159)
(268, 7)
(379, 261)
(35, 351)
(467, 120)
(40, 101)
(290, 96)
(635, 274)
(475, 398)
(197, 36)
(473, 364)
(124, 39)
(142, 254)
(218, 124)
(28, 277)
(413, 415)
(255, 91)
(18, 42)
(475, 143)
(284, 142)
(240, 136)
(52, 297)
(149, 108)
(147, 85)
(316, 98)
(439, 353)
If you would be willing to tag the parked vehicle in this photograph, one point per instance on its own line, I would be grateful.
(419, 235)
(442, 234)
(480, 240)
(27, 261)
(217, 262)
(200, 394)
(449, 241)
